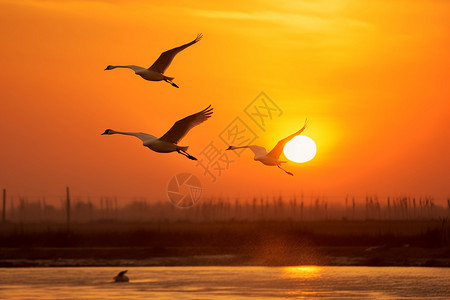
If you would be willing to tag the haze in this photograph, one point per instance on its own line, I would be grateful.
(372, 79)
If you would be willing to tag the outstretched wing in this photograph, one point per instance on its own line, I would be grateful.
(276, 151)
(164, 60)
(122, 273)
(181, 127)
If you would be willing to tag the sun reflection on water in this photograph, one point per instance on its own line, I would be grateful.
(304, 272)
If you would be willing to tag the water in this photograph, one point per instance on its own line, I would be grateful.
(227, 283)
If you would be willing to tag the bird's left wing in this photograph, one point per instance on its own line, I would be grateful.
(257, 150)
(181, 127)
(164, 60)
(276, 151)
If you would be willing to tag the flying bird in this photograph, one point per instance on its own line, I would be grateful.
(271, 158)
(121, 277)
(156, 71)
(169, 141)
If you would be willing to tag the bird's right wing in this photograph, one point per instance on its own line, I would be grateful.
(181, 127)
(164, 60)
(276, 151)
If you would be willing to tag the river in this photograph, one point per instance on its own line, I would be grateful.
(302, 282)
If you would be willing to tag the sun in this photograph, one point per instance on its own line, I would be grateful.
(300, 149)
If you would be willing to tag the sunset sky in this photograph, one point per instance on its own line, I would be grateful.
(372, 77)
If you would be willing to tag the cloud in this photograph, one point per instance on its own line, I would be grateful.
(292, 20)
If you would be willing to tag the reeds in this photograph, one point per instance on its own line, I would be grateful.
(263, 208)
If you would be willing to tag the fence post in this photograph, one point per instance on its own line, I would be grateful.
(4, 206)
(68, 207)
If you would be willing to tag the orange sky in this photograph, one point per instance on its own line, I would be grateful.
(372, 78)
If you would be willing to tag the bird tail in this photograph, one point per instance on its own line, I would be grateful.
(168, 78)
(183, 148)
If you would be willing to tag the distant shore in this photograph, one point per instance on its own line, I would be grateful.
(322, 256)
(207, 256)
(231, 243)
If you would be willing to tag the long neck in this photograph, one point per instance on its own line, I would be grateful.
(145, 137)
(132, 67)
(234, 148)
(127, 67)
(123, 132)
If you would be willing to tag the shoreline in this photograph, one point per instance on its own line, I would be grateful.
(146, 257)
(231, 243)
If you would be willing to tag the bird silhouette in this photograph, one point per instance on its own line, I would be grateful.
(271, 158)
(156, 71)
(169, 141)
(121, 277)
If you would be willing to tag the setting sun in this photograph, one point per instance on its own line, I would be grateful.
(300, 149)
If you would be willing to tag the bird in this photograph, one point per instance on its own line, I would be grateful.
(169, 141)
(271, 158)
(156, 71)
(121, 277)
